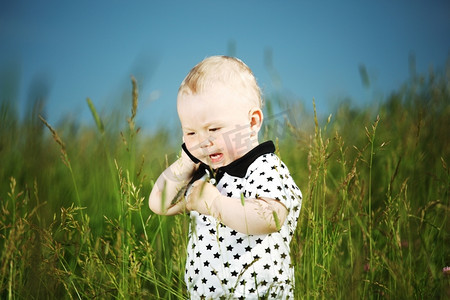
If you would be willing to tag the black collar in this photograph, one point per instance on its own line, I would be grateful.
(237, 168)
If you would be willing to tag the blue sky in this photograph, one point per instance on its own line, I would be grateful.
(85, 49)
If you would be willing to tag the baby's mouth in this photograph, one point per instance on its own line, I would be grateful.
(215, 157)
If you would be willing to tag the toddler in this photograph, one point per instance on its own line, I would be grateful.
(242, 200)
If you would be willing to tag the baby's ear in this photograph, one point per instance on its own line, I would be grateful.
(256, 119)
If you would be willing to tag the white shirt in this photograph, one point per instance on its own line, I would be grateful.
(223, 263)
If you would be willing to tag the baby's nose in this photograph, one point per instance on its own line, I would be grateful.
(206, 141)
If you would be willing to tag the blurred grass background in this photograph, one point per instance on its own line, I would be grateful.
(75, 223)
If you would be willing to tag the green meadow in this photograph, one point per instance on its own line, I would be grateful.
(374, 224)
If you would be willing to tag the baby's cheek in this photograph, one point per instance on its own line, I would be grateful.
(192, 145)
(197, 151)
(239, 143)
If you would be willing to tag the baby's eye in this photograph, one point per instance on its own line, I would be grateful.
(214, 129)
(190, 133)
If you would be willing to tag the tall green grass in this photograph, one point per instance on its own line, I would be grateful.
(75, 224)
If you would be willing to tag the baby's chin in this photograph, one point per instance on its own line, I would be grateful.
(215, 166)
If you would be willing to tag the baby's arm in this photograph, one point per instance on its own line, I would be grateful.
(170, 187)
(249, 216)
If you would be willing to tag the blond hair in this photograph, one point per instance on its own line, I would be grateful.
(230, 71)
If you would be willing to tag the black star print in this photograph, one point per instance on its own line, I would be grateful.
(275, 279)
(198, 254)
(195, 287)
(239, 246)
(243, 282)
(204, 280)
(191, 262)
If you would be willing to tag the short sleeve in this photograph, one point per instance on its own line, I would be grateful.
(270, 178)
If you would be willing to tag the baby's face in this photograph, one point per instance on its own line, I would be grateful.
(218, 126)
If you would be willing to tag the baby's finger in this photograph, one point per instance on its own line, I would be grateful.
(199, 186)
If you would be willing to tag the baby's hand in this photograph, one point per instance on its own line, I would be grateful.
(201, 197)
(188, 166)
